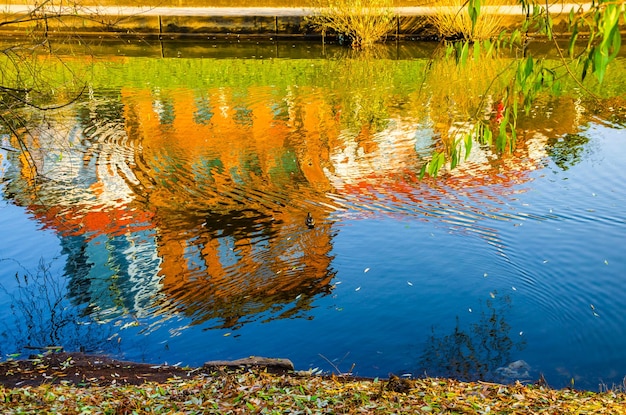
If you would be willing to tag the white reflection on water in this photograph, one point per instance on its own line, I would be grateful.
(188, 231)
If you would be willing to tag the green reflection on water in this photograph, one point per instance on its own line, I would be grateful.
(349, 124)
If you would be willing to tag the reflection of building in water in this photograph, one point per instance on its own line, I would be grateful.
(205, 206)
(114, 274)
(230, 184)
(83, 193)
(197, 199)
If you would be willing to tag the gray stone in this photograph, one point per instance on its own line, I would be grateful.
(272, 365)
(516, 370)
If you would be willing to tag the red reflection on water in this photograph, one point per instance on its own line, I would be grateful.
(223, 182)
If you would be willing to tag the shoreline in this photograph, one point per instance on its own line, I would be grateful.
(111, 386)
(283, 22)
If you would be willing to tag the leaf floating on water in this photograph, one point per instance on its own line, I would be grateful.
(366, 270)
(129, 324)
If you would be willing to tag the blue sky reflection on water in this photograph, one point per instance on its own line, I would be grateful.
(458, 277)
(544, 275)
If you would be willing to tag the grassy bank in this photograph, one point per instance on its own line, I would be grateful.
(260, 392)
(75, 383)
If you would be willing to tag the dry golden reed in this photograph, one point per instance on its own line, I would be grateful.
(364, 22)
(452, 20)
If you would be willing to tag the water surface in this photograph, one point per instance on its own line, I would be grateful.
(161, 217)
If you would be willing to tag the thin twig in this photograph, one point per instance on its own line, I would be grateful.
(560, 52)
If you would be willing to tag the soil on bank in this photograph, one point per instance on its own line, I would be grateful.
(77, 383)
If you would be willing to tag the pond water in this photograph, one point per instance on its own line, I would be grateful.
(160, 217)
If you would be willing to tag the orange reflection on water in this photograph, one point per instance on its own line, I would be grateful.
(247, 167)
(224, 178)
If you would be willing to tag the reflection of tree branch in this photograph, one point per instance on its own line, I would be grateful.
(27, 17)
(23, 147)
(41, 317)
(39, 13)
(15, 95)
(9, 89)
(475, 353)
(484, 95)
(52, 107)
(560, 52)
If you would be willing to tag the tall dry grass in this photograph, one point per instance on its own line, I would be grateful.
(363, 22)
(452, 20)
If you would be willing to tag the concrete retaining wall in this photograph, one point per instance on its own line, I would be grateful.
(171, 22)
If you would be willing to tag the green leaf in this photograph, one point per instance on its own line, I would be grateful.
(450, 50)
(454, 157)
(616, 43)
(516, 38)
(468, 145)
(473, 9)
(435, 163)
(572, 41)
(528, 66)
(501, 140)
(487, 136)
(549, 25)
(586, 64)
(464, 53)
(423, 171)
(489, 46)
(513, 139)
(600, 61)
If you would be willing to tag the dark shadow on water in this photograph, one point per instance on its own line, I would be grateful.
(478, 351)
(41, 318)
(568, 150)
